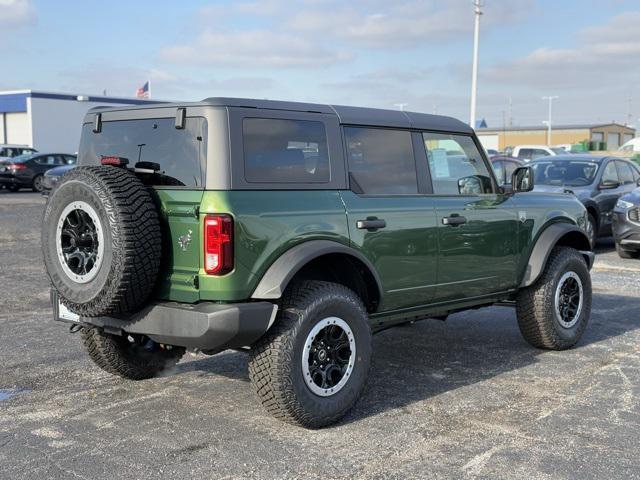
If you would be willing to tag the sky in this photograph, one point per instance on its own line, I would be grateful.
(375, 53)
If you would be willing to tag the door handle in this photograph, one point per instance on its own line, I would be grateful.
(454, 220)
(371, 223)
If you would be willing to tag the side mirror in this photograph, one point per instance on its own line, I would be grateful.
(609, 185)
(522, 180)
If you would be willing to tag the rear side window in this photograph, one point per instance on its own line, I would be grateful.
(180, 153)
(285, 151)
(381, 161)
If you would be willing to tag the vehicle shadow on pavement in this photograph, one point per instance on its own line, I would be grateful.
(417, 361)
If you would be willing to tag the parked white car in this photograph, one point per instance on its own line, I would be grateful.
(527, 153)
(632, 145)
(10, 151)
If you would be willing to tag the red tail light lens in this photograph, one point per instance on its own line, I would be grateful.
(17, 166)
(218, 244)
(114, 161)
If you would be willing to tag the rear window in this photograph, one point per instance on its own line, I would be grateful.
(285, 151)
(179, 152)
(381, 161)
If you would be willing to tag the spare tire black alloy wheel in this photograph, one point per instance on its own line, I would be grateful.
(80, 241)
(101, 241)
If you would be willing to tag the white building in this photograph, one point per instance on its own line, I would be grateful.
(49, 122)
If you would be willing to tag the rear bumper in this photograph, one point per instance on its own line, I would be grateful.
(8, 179)
(203, 326)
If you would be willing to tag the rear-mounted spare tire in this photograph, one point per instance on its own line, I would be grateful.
(101, 241)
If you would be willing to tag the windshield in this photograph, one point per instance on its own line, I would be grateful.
(565, 173)
(559, 150)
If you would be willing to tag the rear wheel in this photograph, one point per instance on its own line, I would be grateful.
(37, 183)
(13, 188)
(553, 312)
(311, 367)
(132, 356)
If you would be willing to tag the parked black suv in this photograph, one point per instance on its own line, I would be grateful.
(597, 181)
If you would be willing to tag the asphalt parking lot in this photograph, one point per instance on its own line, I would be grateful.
(462, 398)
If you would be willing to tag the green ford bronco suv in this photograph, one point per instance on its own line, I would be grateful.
(294, 231)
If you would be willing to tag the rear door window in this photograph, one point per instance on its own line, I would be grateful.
(381, 161)
(285, 151)
(180, 153)
(49, 160)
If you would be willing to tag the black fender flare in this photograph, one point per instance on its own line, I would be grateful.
(543, 246)
(278, 275)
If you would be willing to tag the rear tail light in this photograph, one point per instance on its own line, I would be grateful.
(17, 166)
(114, 161)
(218, 244)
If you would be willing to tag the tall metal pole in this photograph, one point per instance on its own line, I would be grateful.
(474, 73)
(550, 99)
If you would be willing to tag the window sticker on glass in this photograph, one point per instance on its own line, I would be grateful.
(440, 162)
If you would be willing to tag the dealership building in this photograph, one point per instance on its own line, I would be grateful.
(613, 134)
(49, 122)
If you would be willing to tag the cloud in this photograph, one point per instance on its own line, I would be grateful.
(16, 13)
(604, 59)
(402, 23)
(312, 33)
(251, 49)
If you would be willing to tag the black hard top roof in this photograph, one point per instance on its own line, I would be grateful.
(346, 115)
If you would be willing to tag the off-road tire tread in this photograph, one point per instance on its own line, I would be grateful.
(535, 304)
(109, 353)
(271, 362)
(137, 240)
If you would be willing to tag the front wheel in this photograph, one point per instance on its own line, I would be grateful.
(553, 312)
(311, 367)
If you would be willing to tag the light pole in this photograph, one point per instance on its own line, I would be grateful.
(548, 122)
(474, 69)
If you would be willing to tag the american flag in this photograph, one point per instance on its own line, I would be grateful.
(143, 91)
